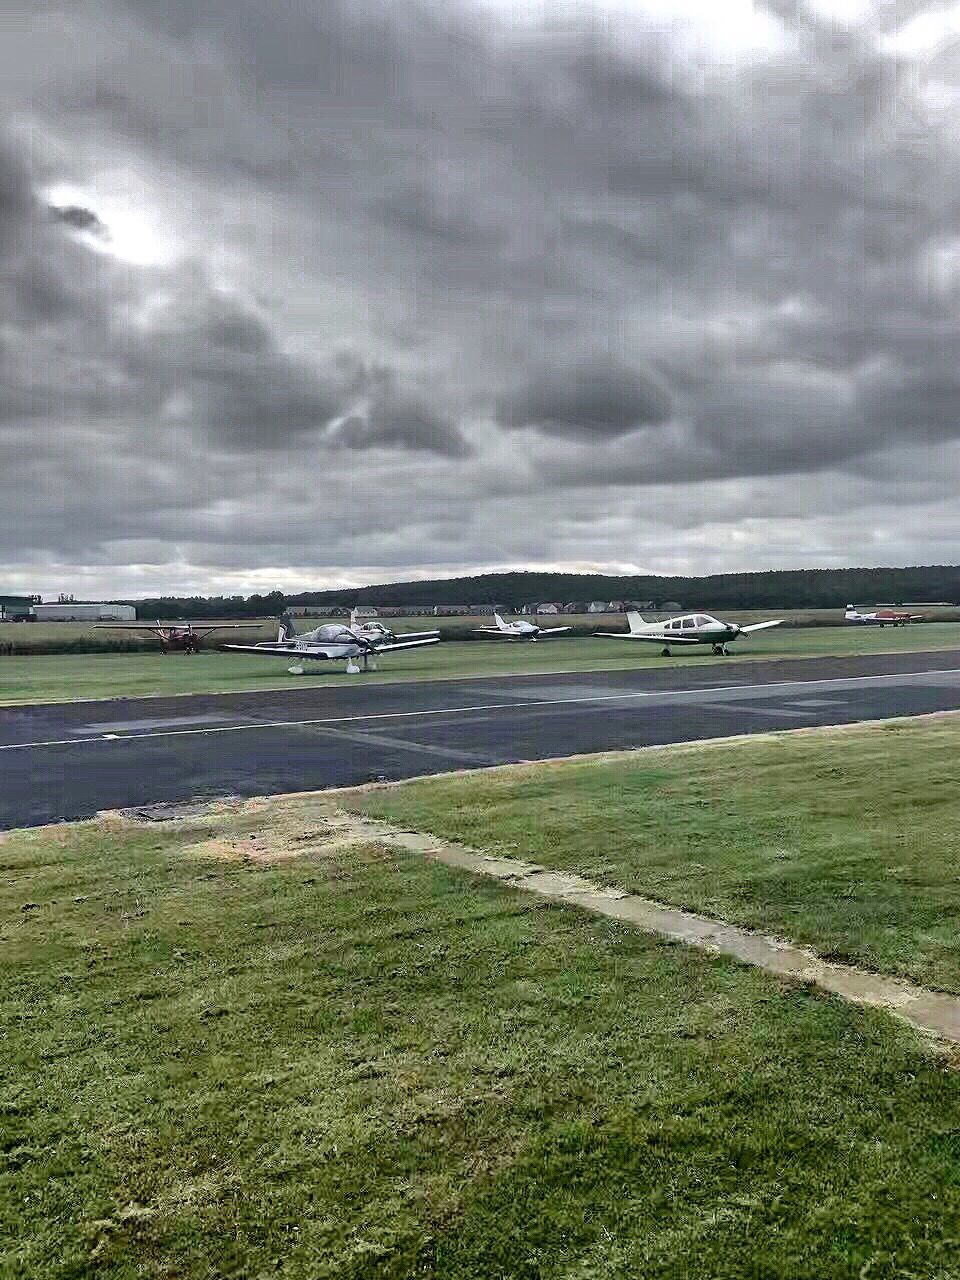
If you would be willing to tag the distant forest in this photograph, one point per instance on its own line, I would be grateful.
(777, 589)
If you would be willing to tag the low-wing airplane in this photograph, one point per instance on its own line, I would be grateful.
(694, 628)
(370, 629)
(328, 643)
(182, 637)
(518, 630)
(880, 618)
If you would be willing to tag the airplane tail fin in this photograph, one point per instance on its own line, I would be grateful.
(851, 612)
(634, 621)
(353, 617)
(286, 629)
(500, 622)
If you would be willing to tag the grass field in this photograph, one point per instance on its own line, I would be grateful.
(61, 678)
(847, 840)
(220, 1060)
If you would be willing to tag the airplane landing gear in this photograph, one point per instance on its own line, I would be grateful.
(295, 671)
(353, 668)
(664, 652)
(721, 651)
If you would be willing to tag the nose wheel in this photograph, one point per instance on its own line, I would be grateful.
(721, 651)
(664, 652)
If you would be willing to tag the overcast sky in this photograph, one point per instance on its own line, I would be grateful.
(306, 292)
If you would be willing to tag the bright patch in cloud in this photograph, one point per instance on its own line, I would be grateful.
(126, 233)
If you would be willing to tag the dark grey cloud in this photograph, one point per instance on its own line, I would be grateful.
(406, 423)
(457, 258)
(80, 219)
(591, 398)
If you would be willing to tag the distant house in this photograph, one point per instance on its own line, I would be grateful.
(450, 610)
(547, 608)
(616, 606)
(316, 610)
(575, 606)
(671, 606)
(639, 605)
(365, 611)
(598, 606)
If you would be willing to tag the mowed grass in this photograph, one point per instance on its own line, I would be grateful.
(847, 840)
(354, 1063)
(65, 677)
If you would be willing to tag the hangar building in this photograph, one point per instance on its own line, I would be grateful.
(72, 612)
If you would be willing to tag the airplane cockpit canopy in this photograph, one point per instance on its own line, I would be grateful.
(335, 632)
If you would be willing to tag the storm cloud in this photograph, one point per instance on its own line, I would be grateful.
(474, 284)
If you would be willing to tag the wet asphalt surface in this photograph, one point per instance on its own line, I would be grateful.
(67, 761)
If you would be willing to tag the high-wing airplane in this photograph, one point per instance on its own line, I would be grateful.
(880, 618)
(695, 628)
(518, 630)
(182, 637)
(328, 643)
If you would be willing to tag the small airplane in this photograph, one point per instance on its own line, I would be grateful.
(180, 637)
(518, 630)
(695, 628)
(370, 629)
(880, 618)
(332, 641)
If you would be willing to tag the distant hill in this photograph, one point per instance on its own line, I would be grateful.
(775, 589)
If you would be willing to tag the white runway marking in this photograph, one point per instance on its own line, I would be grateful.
(694, 695)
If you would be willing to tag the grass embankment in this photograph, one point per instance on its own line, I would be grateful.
(123, 675)
(847, 840)
(358, 1064)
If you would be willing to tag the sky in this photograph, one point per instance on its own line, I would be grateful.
(313, 293)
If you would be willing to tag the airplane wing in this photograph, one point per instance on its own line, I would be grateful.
(278, 650)
(417, 635)
(762, 626)
(489, 631)
(552, 631)
(655, 637)
(128, 626)
(405, 644)
(320, 652)
(166, 626)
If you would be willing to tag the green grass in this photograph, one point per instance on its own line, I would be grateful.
(358, 1064)
(847, 840)
(62, 678)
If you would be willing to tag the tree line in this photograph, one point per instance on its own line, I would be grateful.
(773, 589)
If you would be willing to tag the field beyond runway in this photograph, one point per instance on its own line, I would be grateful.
(71, 760)
(76, 676)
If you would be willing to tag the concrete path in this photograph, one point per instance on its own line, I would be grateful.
(935, 1013)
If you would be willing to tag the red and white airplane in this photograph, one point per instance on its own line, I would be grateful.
(881, 617)
(182, 637)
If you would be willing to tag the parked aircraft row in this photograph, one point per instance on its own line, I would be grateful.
(359, 643)
(363, 642)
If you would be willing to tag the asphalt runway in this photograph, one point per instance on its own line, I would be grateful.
(67, 761)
